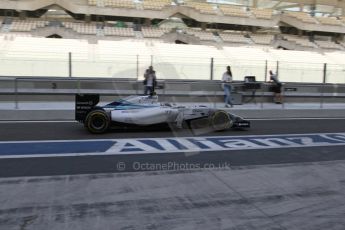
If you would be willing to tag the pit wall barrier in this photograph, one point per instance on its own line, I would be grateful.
(49, 89)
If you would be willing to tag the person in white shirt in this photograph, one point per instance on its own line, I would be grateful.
(226, 85)
(150, 81)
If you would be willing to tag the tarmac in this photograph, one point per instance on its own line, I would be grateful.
(274, 188)
(65, 110)
(270, 197)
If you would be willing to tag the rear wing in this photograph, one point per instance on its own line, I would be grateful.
(84, 103)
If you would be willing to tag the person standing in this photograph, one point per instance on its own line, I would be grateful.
(226, 85)
(150, 81)
(277, 88)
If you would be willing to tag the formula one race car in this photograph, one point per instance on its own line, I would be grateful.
(147, 111)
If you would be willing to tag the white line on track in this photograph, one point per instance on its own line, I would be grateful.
(163, 138)
(296, 118)
(57, 121)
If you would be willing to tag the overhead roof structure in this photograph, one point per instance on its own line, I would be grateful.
(322, 6)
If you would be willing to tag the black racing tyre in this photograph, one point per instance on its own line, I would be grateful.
(199, 123)
(97, 121)
(185, 124)
(220, 120)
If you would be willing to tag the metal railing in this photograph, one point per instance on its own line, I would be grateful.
(295, 94)
(167, 67)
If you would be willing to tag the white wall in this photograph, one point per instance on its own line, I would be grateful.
(29, 56)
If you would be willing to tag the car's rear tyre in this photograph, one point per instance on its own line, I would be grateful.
(97, 121)
(220, 120)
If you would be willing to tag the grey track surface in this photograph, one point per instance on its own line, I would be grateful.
(16, 131)
(297, 189)
(289, 197)
(107, 164)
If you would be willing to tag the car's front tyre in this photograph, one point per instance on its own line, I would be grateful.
(97, 121)
(220, 120)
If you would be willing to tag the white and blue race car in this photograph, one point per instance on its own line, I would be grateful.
(147, 111)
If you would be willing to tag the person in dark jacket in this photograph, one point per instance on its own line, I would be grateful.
(277, 88)
(150, 81)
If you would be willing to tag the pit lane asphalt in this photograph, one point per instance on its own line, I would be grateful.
(26, 131)
(23, 131)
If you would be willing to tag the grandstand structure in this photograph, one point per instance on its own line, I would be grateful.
(181, 38)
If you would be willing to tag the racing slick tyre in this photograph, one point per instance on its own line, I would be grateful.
(185, 124)
(97, 121)
(199, 123)
(220, 120)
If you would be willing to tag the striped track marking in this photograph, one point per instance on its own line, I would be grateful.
(56, 148)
